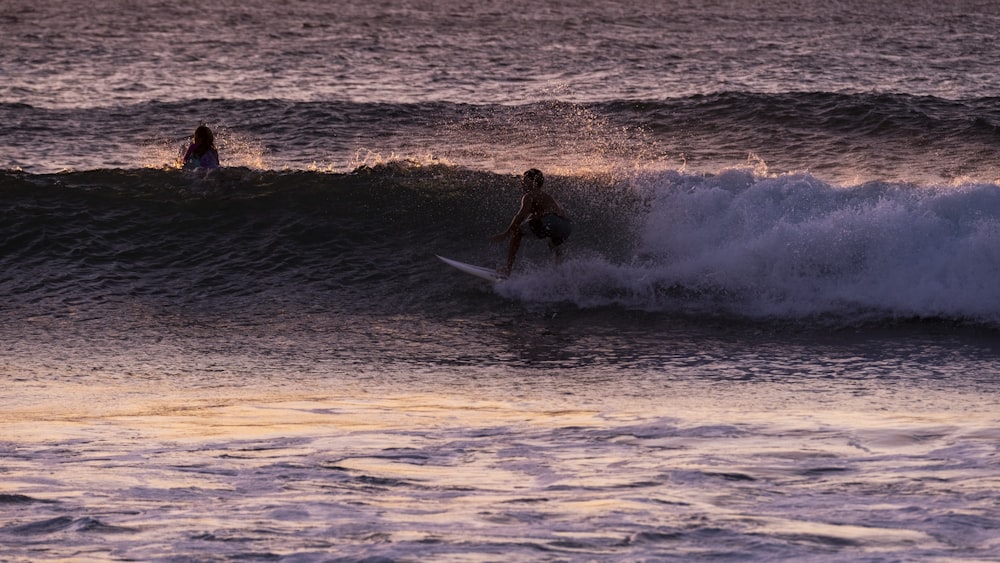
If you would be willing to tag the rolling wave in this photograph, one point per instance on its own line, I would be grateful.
(738, 244)
(846, 139)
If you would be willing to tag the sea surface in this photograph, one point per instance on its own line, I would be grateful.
(774, 336)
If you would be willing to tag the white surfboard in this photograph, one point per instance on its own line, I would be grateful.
(478, 271)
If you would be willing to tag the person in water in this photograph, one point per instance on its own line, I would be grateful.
(201, 153)
(541, 214)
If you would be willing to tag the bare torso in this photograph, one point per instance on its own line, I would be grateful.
(538, 203)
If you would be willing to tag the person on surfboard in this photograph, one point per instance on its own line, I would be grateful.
(541, 214)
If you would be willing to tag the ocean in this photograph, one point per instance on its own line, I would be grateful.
(774, 334)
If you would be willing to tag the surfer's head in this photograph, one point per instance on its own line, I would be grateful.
(203, 136)
(532, 179)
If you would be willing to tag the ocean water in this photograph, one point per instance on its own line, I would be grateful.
(774, 335)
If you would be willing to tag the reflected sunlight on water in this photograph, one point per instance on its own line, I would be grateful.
(587, 472)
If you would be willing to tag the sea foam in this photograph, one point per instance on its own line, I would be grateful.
(794, 246)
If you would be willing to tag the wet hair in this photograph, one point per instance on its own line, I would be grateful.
(204, 138)
(535, 177)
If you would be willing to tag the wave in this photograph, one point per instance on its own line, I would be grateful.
(795, 247)
(740, 244)
(846, 139)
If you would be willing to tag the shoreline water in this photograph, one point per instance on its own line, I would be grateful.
(865, 469)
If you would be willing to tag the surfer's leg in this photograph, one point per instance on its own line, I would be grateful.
(556, 251)
(515, 243)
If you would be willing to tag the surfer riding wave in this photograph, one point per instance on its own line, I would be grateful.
(541, 214)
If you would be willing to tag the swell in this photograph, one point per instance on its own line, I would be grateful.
(740, 244)
(867, 113)
(362, 240)
(843, 138)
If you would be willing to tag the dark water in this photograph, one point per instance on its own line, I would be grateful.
(845, 139)
(774, 336)
(828, 89)
(790, 248)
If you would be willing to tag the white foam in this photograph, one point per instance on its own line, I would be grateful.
(794, 246)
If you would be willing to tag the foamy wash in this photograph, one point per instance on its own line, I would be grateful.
(773, 338)
(795, 247)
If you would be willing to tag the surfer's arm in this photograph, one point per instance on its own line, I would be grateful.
(520, 217)
(181, 159)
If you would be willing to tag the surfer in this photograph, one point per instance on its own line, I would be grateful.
(541, 214)
(201, 153)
